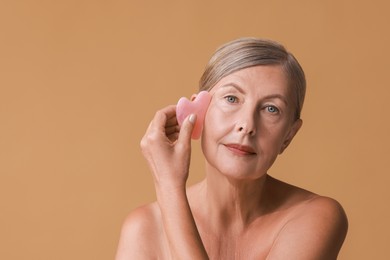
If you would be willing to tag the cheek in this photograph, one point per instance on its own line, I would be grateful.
(217, 125)
(212, 123)
(272, 138)
(218, 120)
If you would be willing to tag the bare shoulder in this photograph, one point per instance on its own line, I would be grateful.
(316, 230)
(140, 232)
(324, 207)
(327, 215)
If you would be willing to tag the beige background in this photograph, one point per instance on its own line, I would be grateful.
(80, 80)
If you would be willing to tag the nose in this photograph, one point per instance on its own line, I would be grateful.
(246, 130)
(246, 123)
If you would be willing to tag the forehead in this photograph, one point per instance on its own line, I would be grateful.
(257, 80)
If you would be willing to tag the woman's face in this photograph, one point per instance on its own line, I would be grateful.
(249, 122)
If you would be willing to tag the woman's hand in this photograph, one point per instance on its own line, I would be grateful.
(168, 151)
(167, 148)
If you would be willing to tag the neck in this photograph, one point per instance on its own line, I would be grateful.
(233, 203)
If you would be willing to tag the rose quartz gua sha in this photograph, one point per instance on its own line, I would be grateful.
(198, 106)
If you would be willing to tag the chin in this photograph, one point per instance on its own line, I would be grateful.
(239, 171)
(241, 176)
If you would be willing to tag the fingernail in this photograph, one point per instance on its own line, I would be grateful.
(192, 118)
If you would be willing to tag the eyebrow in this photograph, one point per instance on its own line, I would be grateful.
(272, 96)
(277, 96)
(234, 85)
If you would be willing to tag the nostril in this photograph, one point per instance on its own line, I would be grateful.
(245, 130)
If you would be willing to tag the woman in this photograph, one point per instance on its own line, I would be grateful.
(238, 211)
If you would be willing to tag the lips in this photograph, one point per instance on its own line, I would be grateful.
(241, 149)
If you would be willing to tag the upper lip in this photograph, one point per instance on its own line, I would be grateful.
(242, 147)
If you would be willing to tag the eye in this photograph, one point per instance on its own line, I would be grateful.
(272, 109)
(231, 99)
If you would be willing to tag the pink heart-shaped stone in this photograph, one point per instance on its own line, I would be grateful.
(198, 106)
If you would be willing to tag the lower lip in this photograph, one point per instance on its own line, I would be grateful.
(238, 151)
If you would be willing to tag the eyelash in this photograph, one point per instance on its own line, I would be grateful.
(266, 107)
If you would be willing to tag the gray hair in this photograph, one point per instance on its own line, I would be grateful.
(248, 52)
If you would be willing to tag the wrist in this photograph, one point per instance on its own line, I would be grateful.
(163, 188)
(170, 182)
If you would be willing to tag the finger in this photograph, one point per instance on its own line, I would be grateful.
(172, 121)
(170, 111)
(172, 129)
(186, 129)
(162, 117)
(173, 137)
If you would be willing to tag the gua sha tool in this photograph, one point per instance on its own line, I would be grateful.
(198, 106)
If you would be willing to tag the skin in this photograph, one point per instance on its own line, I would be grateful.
(238, 211)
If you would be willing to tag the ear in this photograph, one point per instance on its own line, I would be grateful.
(293, 131)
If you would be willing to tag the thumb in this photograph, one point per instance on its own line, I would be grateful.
(186, 129)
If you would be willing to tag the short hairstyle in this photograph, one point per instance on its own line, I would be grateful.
(248, 52)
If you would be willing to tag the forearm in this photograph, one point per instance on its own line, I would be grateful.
(168, 151)
(179, 224)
